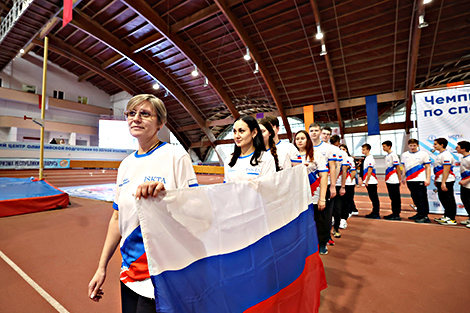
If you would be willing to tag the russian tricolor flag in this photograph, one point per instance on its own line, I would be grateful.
(248, 246)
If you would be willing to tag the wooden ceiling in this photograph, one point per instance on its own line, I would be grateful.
(373, 47)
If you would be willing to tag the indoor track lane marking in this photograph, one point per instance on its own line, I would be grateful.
(33, 284)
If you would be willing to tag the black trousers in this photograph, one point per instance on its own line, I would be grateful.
(348, 202)
(337, 207)
(132, 302)
(465, 197)
(420, 197)
(374, 197)
(447, 199)
(394, 194)
(323, 220)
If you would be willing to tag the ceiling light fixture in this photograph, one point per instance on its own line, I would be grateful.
(166, 93)
(195, 72)
(156, 86)
(319, 34)
(21, 51)
(247, 55)
(422, 22)
(206, 82)
(323, 50)
(426, 1)
(256, 71)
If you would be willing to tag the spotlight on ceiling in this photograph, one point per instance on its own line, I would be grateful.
(247, 55)
(323, 50)
(319, 34)
(422, 22)
(206, 82)
(156, 86)
(166, 93)
(195, 72)
(256, 71)
(21, 51)
(426, 1)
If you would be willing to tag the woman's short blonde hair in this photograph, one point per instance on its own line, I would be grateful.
(157, 104)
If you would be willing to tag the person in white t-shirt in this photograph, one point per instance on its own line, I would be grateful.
(335, 141)
(392, 180)
(444, 179)
(287, 152)
(416, 172)
(348, 206)
(268, 136)
(249, 159)
(370, 181)
(154, 167)
(463, 148)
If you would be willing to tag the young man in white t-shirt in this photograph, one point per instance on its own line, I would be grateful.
(416, 173)
(444, 179)
(335, 140)
(392, 180)
(463, 148)
(370, 181)
(287, 153)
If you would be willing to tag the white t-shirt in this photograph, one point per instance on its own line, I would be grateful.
(414, 165)
(351, 180)
(287, 154)
(329, 153)
(343, 157)
(391, 161)
(168, 164)
(444, 158)
(465, 170)
(369, 162)
(313, 175)
(243, 170)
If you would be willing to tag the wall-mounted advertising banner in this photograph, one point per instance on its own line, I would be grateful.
(443, 113)
(21, 164)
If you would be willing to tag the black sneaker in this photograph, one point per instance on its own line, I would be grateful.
(392, 217)
(373, 216)
(323, 249)
(414, 217)
(424, 219)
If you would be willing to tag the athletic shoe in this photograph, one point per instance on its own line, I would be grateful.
(323, 249)
(392, 217)
(413, 206)
(332, 221)
(414, 217)
(441, 219)
(336, 234)
(343, 224)
(468, 225)
(331, 242)
(373, 216)
(355, 212)
(466, 222)
(448, 222)
(422, 220)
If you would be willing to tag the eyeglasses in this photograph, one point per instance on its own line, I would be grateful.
(143, 115)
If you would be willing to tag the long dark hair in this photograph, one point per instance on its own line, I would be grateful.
(272, 146)
(308, 147)
(345, 147)
(258, 142)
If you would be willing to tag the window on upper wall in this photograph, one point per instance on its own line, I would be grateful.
(82, 99)
(29, 88)
(58, 94)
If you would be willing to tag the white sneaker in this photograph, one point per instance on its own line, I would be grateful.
(343, 224)
(448, 222)
(468, 225)
(466, 222)
(442, 219)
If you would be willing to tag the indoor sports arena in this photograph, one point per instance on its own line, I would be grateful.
(225, 156)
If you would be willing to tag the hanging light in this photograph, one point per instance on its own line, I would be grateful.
(195, 72)
(319, 34)
(21, 51)
(422, 23)
(256, 71)
(247, 55)
(426, 1)
(166, 93)
(156, 86)
(206, 82)
(323, 50)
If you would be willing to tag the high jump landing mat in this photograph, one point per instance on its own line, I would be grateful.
(25, 195)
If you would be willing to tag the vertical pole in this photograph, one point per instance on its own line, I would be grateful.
(43, 108)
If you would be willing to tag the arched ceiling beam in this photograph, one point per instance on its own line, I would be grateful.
(92, 28)
(244, 36)
(145, 11)
(57, 46)
(329, 66)
(413, 63)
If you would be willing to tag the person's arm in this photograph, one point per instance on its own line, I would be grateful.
(397, 167)
(464, 181)
(427, 182)
(344, 175)
(369, 174)
(445, 174)
(323, 188)
(403, 174)
(332, 166)
(111, 243)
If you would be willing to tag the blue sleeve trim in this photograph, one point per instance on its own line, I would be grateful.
(296, 161)
(115, 206)
(194, 185)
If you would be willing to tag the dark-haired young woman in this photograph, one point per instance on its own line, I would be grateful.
(249, 159)
(268, 137)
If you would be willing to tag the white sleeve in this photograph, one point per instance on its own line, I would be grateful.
(268, 165)
(184, 172)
